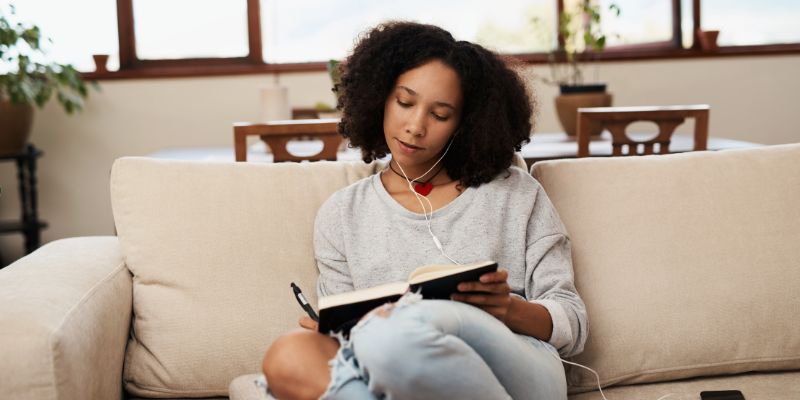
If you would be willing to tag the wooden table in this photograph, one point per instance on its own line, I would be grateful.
(557, 145)
(277, 134)
(543, 146)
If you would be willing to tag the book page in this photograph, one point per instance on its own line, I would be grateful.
(355, 296)
(430, 272)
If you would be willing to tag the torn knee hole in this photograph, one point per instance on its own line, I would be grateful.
(384, 310)
(381, 311)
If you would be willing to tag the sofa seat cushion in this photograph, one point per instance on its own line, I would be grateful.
(688, 263)
(754, 386)
(212, 248)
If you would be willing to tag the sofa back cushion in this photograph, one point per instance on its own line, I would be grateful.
(212, 248)
(689, 264)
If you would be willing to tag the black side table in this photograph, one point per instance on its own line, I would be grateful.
(29, 224)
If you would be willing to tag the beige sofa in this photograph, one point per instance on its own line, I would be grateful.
(689, 265)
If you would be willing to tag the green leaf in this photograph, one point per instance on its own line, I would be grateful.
(27, 91)
(588, 39)
(34, 81)
(8, 36)
(43, 96)
(600, 44)
(32, 36)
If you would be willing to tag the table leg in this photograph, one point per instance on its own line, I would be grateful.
(33, 238)
(240, 145)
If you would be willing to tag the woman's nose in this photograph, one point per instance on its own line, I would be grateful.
(415, 125)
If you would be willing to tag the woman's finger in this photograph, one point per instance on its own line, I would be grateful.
(500, 275)
(482, 299)
(498, 288)
(308, 323)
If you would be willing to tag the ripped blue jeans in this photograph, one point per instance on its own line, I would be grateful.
(426, 349)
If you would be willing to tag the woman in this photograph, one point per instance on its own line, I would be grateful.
(451, 114)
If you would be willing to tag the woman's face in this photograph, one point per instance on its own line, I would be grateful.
(421, 114)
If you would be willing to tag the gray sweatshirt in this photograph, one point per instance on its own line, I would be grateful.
(363, 238)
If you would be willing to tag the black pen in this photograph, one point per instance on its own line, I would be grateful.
(304, 303)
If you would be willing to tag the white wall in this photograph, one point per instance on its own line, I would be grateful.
(752, 98)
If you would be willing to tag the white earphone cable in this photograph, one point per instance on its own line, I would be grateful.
(597, 377)
(428, 218)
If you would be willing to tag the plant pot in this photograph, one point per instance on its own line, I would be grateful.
(576, 89)
(708, 39)
(329, 114)
(100, 61)
(16, 121)
(568, 103)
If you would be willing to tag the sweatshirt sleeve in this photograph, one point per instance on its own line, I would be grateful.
(549, 277)
(334, 272)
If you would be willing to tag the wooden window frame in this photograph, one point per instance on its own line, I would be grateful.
(128, 60)
(131, 67)
(668, 49)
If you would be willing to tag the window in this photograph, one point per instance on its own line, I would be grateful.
(75, 34)
(210, 37)
(639, 21)
(752, 22)
(187, 36)
(210, 28)
(308, 30)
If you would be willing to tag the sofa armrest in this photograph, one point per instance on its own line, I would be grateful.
(65, 313)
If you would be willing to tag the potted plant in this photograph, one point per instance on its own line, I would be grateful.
(26, 78)
(324, 109)
(581, 39)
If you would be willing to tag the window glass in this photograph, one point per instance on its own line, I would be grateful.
(75, 33)
(639, 21)
(687, 24)
(315, 30)
(190, 29)
(752, 22)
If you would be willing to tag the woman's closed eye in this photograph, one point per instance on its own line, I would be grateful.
(438, 117)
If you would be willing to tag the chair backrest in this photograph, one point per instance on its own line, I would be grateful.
(278, 133)
(616, 120)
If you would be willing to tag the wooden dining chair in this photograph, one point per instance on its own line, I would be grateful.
(277, 134)
(616, 120)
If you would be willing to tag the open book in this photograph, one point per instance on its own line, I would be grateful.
(340, 312)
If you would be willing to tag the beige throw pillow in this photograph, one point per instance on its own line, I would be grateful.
(212, 248)
(689, 264)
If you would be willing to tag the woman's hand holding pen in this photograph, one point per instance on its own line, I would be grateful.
(311, 320)
(491, 293)
(307, 323)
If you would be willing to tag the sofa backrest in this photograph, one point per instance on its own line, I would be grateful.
(212, 248)
(689, 264)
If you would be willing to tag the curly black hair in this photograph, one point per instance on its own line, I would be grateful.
(496, 113)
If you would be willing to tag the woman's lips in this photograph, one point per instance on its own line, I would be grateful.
(408, 148)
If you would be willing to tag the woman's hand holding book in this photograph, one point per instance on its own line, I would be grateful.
(491, 293)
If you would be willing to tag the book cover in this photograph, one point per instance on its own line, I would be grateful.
(440, 284)
(340, 312)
